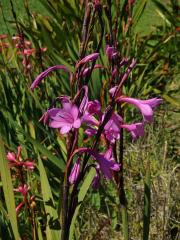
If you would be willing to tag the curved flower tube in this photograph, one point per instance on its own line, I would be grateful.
(88, 58)
(41, 76)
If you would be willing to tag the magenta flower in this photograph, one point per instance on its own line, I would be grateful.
(64, 118)
(113, 90)
(136, 129)
(75, 171)
(145, 106)
(23, 189)
(91, 132)
(41, 76)
(29, 165)
(106, 163)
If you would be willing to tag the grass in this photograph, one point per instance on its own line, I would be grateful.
(143, 27)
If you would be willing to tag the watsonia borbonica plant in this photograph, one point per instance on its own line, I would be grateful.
(101, 124)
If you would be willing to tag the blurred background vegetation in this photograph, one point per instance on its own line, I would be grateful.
(152, 39)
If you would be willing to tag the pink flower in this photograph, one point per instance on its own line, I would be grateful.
(23, 189)
(93, 108)
(64, 118)
(87, 70)
(29, 52)
(15, 161)
(11, 156)
(145, 106)
(28, 165)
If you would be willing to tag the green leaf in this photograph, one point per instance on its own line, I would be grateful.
(165, 12)
(52, 228)
(138, 10)
(171, 100)
(8, 190)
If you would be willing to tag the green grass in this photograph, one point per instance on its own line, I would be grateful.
(147, 23)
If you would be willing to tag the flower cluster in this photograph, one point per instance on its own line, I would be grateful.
(15, 161)
(107, 124)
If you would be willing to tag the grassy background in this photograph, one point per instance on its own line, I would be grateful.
(155, 74)
(150, 15)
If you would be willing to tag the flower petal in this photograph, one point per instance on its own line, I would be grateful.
(77, 123)
(65, 129)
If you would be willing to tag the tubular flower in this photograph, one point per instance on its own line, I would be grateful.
(145, 106)
(41, 76)
(105, 161)
(87, 59)
(64, 118)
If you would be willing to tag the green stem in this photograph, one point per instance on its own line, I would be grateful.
(124, 215)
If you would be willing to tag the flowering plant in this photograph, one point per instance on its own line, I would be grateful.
(103, 124)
